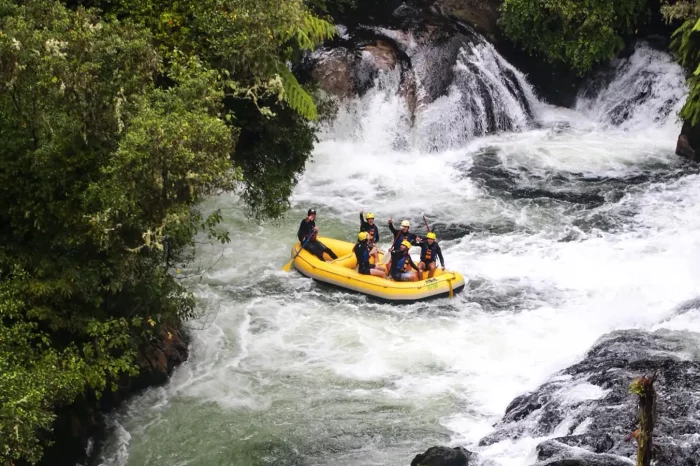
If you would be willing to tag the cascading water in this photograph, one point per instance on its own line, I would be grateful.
(580, 224)
(487, 95)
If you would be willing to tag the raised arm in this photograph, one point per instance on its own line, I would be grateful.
(391, 227)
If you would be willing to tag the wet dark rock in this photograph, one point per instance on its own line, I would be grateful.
(431, 51)
(442, 456)
(334, 72)
(554, 83)
(684, 148)
(588, 412)
(549, 454)
(689, 142)
(382, 54)
(481, 14)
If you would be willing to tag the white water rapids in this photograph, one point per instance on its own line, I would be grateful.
(579, 224)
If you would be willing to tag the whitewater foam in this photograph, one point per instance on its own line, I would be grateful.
(287, 370)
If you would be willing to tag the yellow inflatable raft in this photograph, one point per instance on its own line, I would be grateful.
(343, 273)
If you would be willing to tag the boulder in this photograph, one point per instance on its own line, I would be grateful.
(442, 456)
(333, 71)
(481, 14)
(592, 412)
(381, 54)
(689, 142)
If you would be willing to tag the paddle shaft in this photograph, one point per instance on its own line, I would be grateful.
(311, 235)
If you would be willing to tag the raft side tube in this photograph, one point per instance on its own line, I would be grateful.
(342, 273)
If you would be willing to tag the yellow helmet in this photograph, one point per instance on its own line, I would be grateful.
(406, 243)
(370, 216)
(362, 235)
(405, 223)
(431, 235)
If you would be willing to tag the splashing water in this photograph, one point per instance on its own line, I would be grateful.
(574, 226)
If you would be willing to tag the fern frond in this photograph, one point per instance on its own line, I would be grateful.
(317, 29)
(296, 97)
(310, 32)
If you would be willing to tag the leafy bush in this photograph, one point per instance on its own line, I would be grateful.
(685, 45)
(579, 33)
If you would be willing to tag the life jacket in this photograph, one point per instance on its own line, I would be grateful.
(372, 231)
(398, 262)
(400, 237)
(429, 253)
(305, 229)
(362, 254)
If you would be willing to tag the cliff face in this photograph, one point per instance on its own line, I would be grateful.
(79, 428)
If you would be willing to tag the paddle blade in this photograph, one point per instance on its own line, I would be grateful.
(386, 257)
(288, 266)
(452, 294)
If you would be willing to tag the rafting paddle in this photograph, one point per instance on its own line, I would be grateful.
(287, 267)
(426, 223)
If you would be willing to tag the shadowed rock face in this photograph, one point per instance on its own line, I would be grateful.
(481, 14)
(589, 412)
(688, 145)
(429, 53)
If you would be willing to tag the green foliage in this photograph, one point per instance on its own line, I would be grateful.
(107, 152)
(325, 6)
(252, 40)
(685, 45)
(297, 98)
(266, 153)
(33, 377)
(116, 124)
(680, 10)
(579, 33)
(251, 43)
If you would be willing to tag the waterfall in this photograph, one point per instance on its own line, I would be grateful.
(646, 89)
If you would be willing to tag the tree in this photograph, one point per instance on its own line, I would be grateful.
(101, 172)
(251, 42)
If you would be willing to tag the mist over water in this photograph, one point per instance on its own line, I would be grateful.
(567, 223)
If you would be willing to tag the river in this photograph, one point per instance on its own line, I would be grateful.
(574, 223)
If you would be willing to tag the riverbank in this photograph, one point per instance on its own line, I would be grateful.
(80, 429)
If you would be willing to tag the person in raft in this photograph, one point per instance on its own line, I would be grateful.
(308, 229)
(362, 253)
(372, 234)
(402, 235)
(399, 259)
(430, 250)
